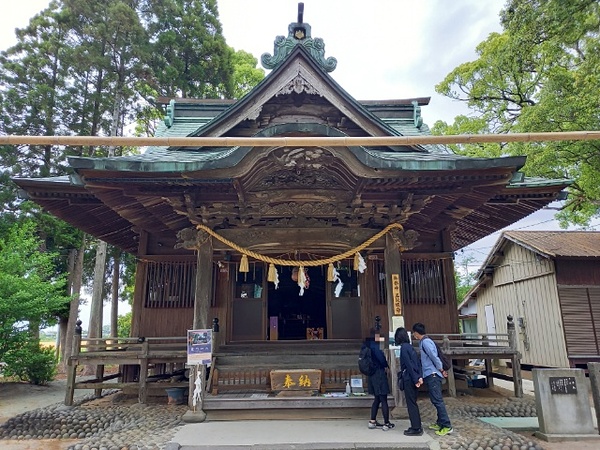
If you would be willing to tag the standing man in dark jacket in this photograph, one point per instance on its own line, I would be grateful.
(377, 383)
(410, 376)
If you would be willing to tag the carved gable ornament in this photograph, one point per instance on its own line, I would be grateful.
(298, 34)
(298, 85)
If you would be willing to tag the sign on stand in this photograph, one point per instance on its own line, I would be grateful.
(199, 347)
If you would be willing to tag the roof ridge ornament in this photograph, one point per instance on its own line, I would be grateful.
(299, 33)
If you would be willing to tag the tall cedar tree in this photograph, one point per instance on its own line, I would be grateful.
(190, 57)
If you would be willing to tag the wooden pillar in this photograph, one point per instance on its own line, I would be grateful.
(487, 368)
(72, 365)
(202, 301)
(143, 377)
(392, 266)
(100, 379)
(516, 357)
(204, 281)
(451, 379)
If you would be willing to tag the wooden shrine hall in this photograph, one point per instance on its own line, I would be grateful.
(294, 250)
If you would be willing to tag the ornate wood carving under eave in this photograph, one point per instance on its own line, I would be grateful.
(295, 239)
(405, 239)
(191, 238)
(302, 239)
(301, 159)
(286, 179)
(285, 169)
(300, 214)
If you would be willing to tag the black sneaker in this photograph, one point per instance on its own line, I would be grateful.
(373, 425)
(413, 432)
(388, 426)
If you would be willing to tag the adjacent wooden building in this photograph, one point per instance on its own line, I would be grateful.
(549, 281)
(303, 207)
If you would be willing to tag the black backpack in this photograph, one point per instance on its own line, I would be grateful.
(443, 358)
(366, 365)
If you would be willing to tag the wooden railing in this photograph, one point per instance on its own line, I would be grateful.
(147, 353)
(486, 346)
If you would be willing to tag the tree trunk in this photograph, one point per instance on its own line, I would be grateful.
(114, 312)
(96, 313)
(75, 283)
(95, 326)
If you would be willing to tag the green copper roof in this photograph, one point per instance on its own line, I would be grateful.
(165, 160)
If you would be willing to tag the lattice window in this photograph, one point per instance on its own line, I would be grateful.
(377, 267)
(423, 281)
(170, 284)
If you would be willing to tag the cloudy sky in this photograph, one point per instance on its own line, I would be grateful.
(386, 49)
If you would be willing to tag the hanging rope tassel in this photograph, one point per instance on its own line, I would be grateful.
(356, 260)
(330, 272)
(272, 275)
(244, 264)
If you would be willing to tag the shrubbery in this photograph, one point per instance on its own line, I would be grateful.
(31, 363)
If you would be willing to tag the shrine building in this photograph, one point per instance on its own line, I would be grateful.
(293, 249)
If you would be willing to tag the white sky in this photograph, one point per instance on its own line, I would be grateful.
(386, 49)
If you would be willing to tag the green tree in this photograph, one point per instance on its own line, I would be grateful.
(190, 57)
(245, 73)
(33, 99)
(124, 325)
(464, 279)
(30, 292)
(539, 75)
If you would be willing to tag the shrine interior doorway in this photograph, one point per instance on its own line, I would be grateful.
(292, 316)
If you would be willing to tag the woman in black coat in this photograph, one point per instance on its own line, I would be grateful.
(377, 383)
(411, 378)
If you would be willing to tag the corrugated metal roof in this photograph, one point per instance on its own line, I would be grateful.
(559, 243)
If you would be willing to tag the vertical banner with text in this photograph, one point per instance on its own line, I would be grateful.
(199, 346)
(397, 297)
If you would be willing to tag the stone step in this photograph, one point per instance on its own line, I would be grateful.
(296, 434)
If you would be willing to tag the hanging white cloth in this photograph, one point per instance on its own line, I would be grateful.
(197, 397)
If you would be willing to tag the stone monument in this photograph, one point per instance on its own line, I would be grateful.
(563, 405)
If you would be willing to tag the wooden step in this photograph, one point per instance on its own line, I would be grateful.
(245, 406)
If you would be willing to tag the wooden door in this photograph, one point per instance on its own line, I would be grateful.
(344, 308)
(248, 306)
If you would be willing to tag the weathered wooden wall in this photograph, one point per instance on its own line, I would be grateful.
(524, 286)
(578, 272)
(579, 293)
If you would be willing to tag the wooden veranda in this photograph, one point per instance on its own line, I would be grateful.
(239, 380)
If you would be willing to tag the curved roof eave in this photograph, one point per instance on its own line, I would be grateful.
(225, 158)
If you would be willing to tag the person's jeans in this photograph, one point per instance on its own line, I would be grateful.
(434, 386)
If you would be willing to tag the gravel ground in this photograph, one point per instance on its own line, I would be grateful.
(116, 423)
